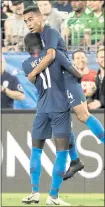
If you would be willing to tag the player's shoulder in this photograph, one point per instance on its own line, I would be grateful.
(26, 62)
(48, 29)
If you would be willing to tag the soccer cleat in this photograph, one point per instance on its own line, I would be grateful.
(75, 166)
(32, 198)
(56, 201)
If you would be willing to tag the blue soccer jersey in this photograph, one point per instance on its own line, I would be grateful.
(52, 39)
(49, 83)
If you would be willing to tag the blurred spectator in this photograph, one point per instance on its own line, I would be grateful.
(95, 25)
(10, 88)
(14, 67)
(99, 96)
(15, 28)
(6, 7)
(74, 25)
(50, 15)
(64, 6)
(80, 60)
(3, 17)
(28, 3)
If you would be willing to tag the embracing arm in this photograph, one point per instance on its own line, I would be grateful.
(45, 62)
(51, 43)
(74, 71)
(66, 64)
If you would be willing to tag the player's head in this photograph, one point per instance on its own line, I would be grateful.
(45, 7)
(78, 6)
(80, 59)
(101, 57)
(33, 19)
(18, 7)
(33, 43)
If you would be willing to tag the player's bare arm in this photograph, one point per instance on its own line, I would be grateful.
(64, 61)
(75, 71)
(45, 62)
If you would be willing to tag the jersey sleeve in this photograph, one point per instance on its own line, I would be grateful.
(51, 39)
(16, 86)
(63, 60)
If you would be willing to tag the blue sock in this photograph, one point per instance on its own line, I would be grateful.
(72, 148)
(35, 168)
(96, 127)
(58, 172)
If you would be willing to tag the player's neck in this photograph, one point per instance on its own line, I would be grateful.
(42, 26)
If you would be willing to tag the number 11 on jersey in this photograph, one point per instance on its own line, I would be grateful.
(46, 84)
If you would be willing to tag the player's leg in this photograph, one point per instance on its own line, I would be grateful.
(35, 171)
(58, 172)
(75, 164)
(60, 128)
(35, 164)
(78, 103)
(91, 121)
(41, 131)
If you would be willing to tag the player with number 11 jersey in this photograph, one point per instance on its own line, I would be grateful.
(49, 83)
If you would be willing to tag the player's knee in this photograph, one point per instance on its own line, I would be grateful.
(38, 143)
(62, 144)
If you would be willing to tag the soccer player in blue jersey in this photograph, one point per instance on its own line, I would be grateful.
(53, 41)
(52, 117)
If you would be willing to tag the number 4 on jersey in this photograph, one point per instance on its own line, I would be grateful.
(69, 95)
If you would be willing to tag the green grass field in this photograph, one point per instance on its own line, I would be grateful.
(73, 199)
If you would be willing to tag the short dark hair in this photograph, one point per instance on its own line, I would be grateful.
(76, 51)
(33, 42)
(34, 9)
